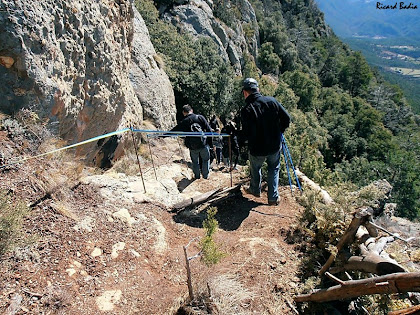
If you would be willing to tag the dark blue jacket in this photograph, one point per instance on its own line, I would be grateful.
(185, 125)
(263, 120)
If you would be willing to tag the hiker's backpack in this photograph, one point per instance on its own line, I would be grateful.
(195, 142)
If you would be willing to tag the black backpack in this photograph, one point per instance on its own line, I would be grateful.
(195, 142)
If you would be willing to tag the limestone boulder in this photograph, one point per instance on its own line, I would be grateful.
(197, 18)
(71, 62)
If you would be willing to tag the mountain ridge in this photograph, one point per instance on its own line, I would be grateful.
(361, 18)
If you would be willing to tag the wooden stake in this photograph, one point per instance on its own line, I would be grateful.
(138, 160)
(151, 156)
(189, 283)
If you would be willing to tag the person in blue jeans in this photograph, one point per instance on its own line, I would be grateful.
(199, 146)
(263, 120)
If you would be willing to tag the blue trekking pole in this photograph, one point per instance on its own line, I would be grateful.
(287, 165)
(283, 139)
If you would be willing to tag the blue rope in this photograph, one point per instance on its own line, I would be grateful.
(159, 132)
(181, 133)
(66, 147)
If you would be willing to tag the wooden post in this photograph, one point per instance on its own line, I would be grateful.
(187, 264)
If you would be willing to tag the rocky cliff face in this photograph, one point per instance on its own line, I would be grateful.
(150, 82)
(197, 18)
(70, 62)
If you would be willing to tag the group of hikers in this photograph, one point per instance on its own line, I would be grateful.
(221, 144)
(263, 120)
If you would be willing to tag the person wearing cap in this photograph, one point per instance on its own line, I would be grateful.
(264, 120)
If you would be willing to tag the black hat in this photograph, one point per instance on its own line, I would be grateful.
(250, 84)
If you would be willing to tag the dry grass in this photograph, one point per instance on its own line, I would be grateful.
(415, 256)
(228, 294)
(56, 297)
(12, 214)
(57, 180)
(53, 178)
(159, 61)
(407, 71)
(218, 294)
(64, 208)
(127, 164)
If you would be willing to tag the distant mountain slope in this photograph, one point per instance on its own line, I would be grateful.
(362, 18)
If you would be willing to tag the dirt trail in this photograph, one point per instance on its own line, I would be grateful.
(112, 248)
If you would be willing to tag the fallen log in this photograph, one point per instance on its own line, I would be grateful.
(393, 283)
(211, 196)
(372, 263)
(196, 199)
(359, 218)
(372, 257)
(411, 310)
(326, 198)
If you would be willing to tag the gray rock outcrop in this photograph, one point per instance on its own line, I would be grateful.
(70, 61)
(150, 82)
(196, 17)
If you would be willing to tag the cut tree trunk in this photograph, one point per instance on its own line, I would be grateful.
(326, 198)
(411, 310)
(359, 218)
(371, 260)
(373, 263)
(393, 283)
(211, 196)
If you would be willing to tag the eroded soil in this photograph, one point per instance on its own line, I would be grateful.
(85, 250)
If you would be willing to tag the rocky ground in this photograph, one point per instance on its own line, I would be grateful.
(97, 242)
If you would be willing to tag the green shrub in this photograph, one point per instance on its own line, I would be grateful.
(211, 254)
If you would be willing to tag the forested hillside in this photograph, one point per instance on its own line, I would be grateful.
(372, 18)
(397, 60)
(388, 38)
(349, 124)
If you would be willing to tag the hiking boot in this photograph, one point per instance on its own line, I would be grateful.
(249, 191)
(273, 202)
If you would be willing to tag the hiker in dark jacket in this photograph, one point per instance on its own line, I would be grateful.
(264, 120)
(230, 129)
(218, 145)
(198, 146)
(214, 123)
